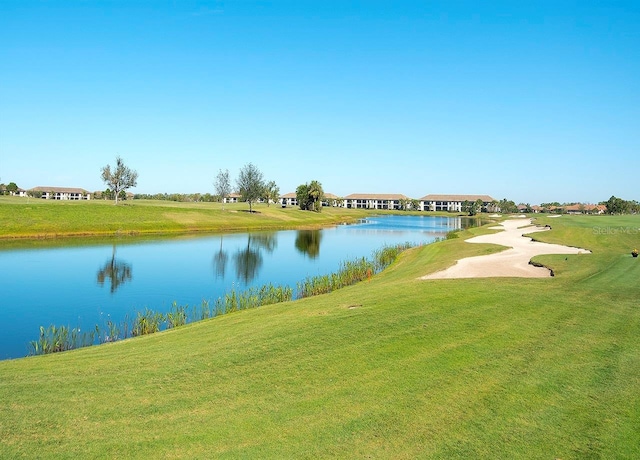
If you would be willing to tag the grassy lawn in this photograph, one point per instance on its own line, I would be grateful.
(395, 367)
(35, 218)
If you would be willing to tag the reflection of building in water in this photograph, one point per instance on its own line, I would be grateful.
(117, 272)
(455, 222)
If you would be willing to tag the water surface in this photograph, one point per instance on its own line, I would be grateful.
(82, 286)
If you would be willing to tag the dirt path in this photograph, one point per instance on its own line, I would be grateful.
(513, 262)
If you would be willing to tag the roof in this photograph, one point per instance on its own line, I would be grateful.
(289, 195)
(484, 198)
(376, 196)
(586, 207)
(59, 190)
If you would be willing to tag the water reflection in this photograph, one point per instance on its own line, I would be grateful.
(220, 261)
(116, 271)
(267, 241)
(308, 242)
(249, 259)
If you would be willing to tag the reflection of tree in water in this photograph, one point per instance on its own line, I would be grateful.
(220, 261)
(308, 242)
(249, 260)
(266, 241)
(117, 272)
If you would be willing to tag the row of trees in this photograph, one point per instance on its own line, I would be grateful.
(474, 207)
(250, 184)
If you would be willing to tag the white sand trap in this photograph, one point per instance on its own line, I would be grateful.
(513, 262)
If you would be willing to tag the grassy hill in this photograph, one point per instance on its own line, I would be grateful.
(395, 367)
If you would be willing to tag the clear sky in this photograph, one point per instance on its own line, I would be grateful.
(533, 101)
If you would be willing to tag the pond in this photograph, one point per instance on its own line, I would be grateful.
(85, 286)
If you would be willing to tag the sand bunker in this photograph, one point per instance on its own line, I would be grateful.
(513, 262)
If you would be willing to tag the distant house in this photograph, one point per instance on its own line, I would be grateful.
(375, 200)
(331, 200)
(17, 192)
(289, 199)
(453, 203)
(62, 193)
(232, 198)
(580, 208)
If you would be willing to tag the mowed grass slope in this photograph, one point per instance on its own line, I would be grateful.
(396, 367)
(36, 218)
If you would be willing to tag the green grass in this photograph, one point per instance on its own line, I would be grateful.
(394, 367)
(36, 218)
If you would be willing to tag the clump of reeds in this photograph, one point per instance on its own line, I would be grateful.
(202, 312)
(61, 338)
(177, 316)
(148, 322)
(452, 235)
(252, 298)
(387, 255)
(350, 272)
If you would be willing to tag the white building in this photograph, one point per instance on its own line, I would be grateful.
(289, 199)
(232, 198)
(375, 200)
(452, 203)
(62, 193)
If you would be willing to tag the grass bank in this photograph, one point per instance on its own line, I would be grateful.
(394, 367)
(30, 218)
(34, 218)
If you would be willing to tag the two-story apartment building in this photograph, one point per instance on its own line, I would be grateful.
(62, 193)
(452, 203)
(374, 200)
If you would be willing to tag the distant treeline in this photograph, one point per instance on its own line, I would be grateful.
(617, 205)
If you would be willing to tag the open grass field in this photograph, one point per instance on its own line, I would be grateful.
(395, 367)
(36, 218)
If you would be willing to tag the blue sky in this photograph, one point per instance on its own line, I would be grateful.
(531, 101)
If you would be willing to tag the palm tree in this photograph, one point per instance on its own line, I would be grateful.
(316, 194)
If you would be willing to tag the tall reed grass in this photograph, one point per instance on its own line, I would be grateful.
(55, 339)
(351, 272)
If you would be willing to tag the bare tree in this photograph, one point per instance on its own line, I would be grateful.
(222, 185)
(121, 179)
